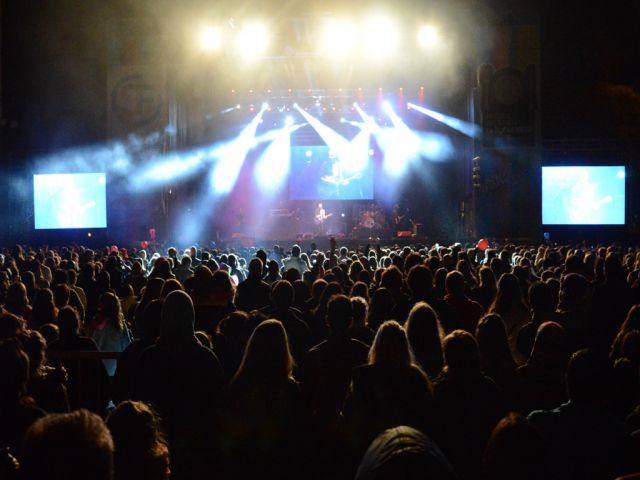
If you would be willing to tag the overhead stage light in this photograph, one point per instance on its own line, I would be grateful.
(428, 36)
(252, 40)
(339, 37)
(210, 39)
(381, 37)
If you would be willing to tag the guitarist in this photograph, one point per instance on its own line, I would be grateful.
(401, 218)
(320, 217)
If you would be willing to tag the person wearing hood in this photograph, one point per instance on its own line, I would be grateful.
(183, 380)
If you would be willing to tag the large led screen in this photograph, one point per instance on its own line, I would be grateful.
(318, 174)
(583, 195)
(70, 200)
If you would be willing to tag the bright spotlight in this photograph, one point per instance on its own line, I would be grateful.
(272, 168)
(231, 157)
(265, 106)
(386, 106)
(467, 128)
(428, 36)
(252, 40)
(381, 37)
(288, 121)
(210, 39)
(338, 37)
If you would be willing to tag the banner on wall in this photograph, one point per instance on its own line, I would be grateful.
(136, 80)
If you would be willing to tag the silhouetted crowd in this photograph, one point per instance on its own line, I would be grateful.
(386, 362)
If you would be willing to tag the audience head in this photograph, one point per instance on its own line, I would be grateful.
(461, 354)
(267, 357)
(68, 446)
(11, 326)
(111, 310)
(419, 280)
(140, 448)
(455, 284)
(586, 377)
(14, 373)
(282, 294)
(491, 335)
(423, 326)
(390, 346)
(404, 453)
(169, 286)
(339, 314)
(515, 450)
(178, 316)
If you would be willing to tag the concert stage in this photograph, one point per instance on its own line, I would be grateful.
(322, 242)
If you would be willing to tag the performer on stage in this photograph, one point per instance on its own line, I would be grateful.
(401, 218)
(320, 218)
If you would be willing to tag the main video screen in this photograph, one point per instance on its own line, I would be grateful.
(318, 174)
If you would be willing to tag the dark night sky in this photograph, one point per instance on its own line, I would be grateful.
(54, 68)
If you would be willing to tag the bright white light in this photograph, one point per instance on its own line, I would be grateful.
(288, 121)
(386, 106)
(381, 37)
(210, 39)
(272, 168)
(308, 153)
(252, 40)
(265, 106)
(461, 126)
(356, 157)
(428, 36)
(231, 157)
(621, 174)
(338, 38)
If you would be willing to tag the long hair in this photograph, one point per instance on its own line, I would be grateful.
(632, 322)
(491, 334)
(509, 294)
(380, 308)
(425, 337)
(391, 346)
(16, 298)
(112, 310)
(267, 357)
(141, 450)
(461, 354)
(44, 309)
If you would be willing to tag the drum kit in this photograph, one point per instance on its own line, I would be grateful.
(371, 218)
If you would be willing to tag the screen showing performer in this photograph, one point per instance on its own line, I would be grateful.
(317, 173)
(70, 200)
(580, 195)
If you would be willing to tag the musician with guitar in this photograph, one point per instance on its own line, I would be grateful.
(320, 218)
(401, 218)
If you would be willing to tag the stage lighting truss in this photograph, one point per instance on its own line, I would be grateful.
(373, 38)
(344, 102)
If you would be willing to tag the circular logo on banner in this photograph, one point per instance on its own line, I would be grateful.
(135, 101)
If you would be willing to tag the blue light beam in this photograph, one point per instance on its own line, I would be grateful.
(466, 128)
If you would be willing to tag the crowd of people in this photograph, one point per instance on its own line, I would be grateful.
(458, 362)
